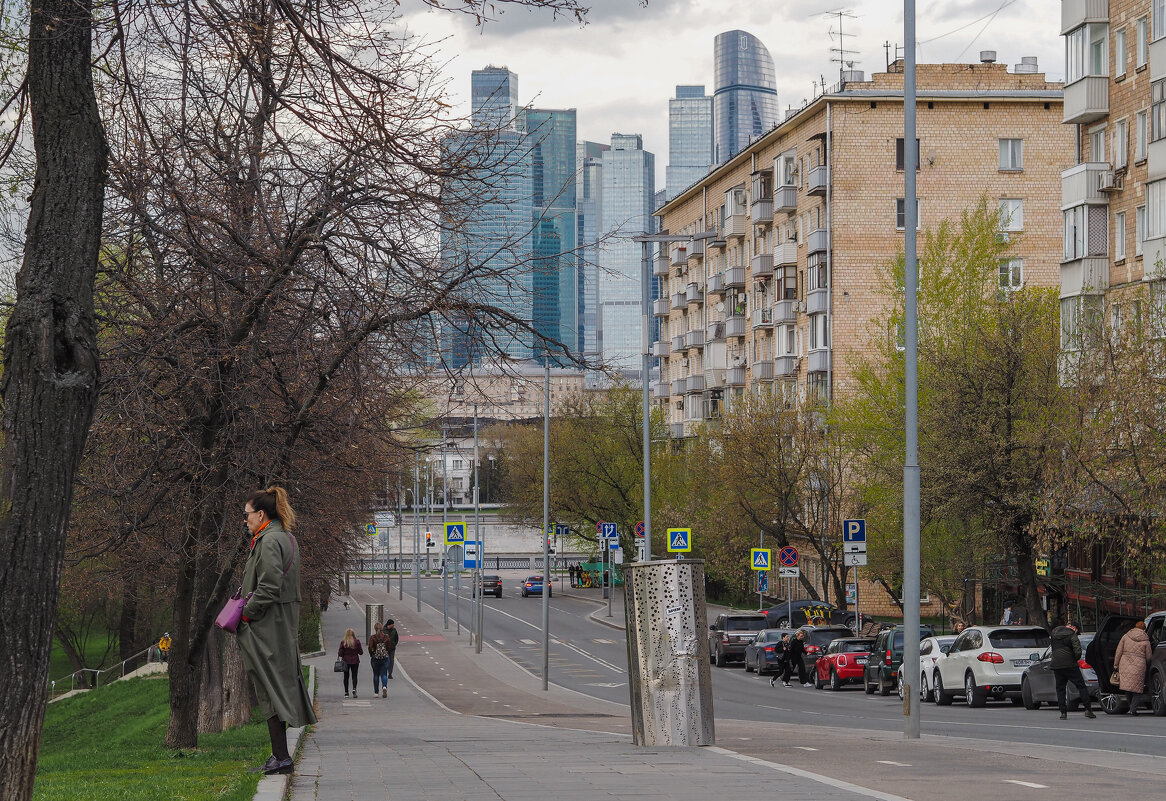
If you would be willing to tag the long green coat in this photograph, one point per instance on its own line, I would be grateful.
(270, 641)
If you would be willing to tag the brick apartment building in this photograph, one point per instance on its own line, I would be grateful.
(780, 284)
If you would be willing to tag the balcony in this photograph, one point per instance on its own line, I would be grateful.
(1158, 59)
(735, 377)
(817, 180)
(660, 307)
(1075, 13)
(735, 326)
(763, 371)
(817, 301)
(678, 385)
(785, 199)
(693, 294)
(661, 349)
(762, 211)
(695, 384)
(714, 376)
(676, 430)
(1090, 276)
(694, 339)
(716, 331)
(819, 361)
(735, 277)
(678, 343)
(1081, 184)
(679, 300)
(763, 318)
(696, 249)
(817, 240)
(762, 266)
(785, 312)
(786, 254)
(716, 283)
(717, 241)
(660, 266)
(660, 390)
(1153, 257)
(785, 365)
(735, 225)
(679, 257)
(1086, 99)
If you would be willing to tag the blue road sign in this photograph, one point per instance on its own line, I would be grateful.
(470, 554)
(679, 540)
(854, 531)
(609, 531)
(788, 556)
(763, 582)
(562, 530)
(613, 545)
(370, 529)
(759, 558)
(455, 533)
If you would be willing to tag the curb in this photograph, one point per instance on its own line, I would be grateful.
(275, 787)
(600, 616)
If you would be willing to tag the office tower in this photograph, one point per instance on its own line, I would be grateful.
(493, 97)
(745, 98)
(589, 211)
(629, 187)
(550, 136)
(690, 138)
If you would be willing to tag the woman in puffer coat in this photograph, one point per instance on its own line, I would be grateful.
(1131, 661)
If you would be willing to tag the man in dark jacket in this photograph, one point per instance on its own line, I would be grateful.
(793, 658)
(394, 637)
(1066, 651)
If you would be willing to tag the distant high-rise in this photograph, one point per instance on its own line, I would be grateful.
(745, 98)
(589, 210)
(493, 97)
(629, 188)
(690, 138)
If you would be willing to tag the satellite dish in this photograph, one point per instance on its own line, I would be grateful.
(721, 306)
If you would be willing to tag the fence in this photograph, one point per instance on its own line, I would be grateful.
(394, 565)
(140, 659)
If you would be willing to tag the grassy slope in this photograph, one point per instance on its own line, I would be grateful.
(109, 744)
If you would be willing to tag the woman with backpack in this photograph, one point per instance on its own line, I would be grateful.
(378, 651)
(350, 651)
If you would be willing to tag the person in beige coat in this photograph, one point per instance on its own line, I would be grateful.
(1130, 662)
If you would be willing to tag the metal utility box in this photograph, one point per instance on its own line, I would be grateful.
(373, 614)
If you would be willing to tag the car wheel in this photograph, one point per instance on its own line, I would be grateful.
(972, 694)
(924, 693)
(748, 667)
(721, 661)
(783, 623)
(818, 683)
(835, 682)
(1158, 693)
(884, 689)
(867, 687)
(941, 698)
(901, 688)
(1112, 704)
(1026, 695)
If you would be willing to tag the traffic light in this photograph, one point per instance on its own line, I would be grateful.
(550, 544)
(428, 539)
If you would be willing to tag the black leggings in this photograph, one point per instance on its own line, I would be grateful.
(353, 669)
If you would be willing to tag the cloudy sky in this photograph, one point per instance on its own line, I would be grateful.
(620, 69)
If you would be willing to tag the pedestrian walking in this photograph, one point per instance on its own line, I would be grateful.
(1130, 662)
(350, 650)
(269, 631)
(781, 651)
(378, 652)
(1066, 656)
(793, 658)
(164, 647)
(394, 638)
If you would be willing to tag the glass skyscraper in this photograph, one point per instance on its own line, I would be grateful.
(629, 188)
(690, 138)
(745, 98)
(493, 97)
(589, 211)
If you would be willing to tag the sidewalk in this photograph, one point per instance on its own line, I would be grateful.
(411, 747)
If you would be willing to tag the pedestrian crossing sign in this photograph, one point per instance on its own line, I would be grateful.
(455, 533)
(759, 558)
(679, 540)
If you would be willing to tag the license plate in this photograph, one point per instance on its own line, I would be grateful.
(861, 660)
(1021, 662)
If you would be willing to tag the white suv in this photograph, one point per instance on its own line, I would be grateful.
(986, 661)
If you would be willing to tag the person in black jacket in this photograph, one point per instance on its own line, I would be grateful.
(1066, 653)
(793, 658)
(782, 651)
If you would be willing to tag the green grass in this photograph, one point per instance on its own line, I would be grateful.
(110, 744)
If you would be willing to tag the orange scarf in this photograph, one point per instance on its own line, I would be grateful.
(257, 533)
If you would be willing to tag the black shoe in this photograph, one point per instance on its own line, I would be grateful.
(283, 766)
(346, 693)
(773, 682)
(1064, 716)
(1134, 711)
(271, 764)
(1089, 714)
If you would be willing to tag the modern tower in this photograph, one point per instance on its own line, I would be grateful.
(745, 98)
(690, 138)
(589, 211)
(629, 188)
(493, 97)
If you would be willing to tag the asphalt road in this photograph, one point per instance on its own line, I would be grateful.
(591, 658)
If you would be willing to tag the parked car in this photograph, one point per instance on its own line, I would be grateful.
(986, 661)
(817, 638)
(731, 633)
(843, 662)
(1038, 684)
(533, 585)
(808, 612)
(763, 653)
(492, 585)
(882, 669)
(930, 649)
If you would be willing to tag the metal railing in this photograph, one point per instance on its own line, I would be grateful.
(149, 653)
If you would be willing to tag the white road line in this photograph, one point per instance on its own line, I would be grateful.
(1033, 785)
(529, 642)
(500, 642)
(805, 748)
(805, 774)
(574, 648)
(604, 642)
(892, 762)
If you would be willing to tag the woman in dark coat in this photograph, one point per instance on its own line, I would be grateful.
(269, 633)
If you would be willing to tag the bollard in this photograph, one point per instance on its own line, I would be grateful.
(373, 613)
(668, 658)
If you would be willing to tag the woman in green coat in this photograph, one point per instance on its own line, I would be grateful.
(269, 633)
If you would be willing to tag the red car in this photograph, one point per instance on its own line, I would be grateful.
(843, 662)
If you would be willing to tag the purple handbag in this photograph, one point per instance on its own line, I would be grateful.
(231, 614)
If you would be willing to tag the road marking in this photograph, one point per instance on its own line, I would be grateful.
(1033, 785)
(606, 684)
(805, 748)
(500, 642)
(529, 642)
(574, 648)
(805, 774)
(892, 762)
(604, 642)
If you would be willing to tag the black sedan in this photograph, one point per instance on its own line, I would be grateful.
(1038, 685)
(808, 612)
(764, 654)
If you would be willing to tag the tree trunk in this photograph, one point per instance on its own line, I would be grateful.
(237, 694)
(75, 660)
(49, 387)
(210, 695)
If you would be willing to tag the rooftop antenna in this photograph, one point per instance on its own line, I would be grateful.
(840, 53)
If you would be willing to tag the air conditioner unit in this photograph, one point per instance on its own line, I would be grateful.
(1109, 181)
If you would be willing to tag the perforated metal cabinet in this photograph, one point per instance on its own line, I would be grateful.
(373, 614)
(669, 676)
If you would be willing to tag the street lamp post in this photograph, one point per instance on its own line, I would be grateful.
(546, 585)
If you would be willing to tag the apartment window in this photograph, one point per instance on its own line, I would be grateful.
(1012, 154)
(1098, 54)
(901, 214)
(817, 275)
(789, 339)
(1097, 143)
(1011, 214)
(901, 157)
(1139, 229)
(819, 331)
(1158, 14)
(1011, 273)
(1085, 52)
(1085, 232)
(789, 167)
(1142, 28)
(1158, 110)
(1156, 209)
(1115, 319)
(456, 482)
(1119, 53)
(1121, 144)
(1119, 236)
(1140, 135)
(788, 281)
(1081, 318)
(456, 464)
